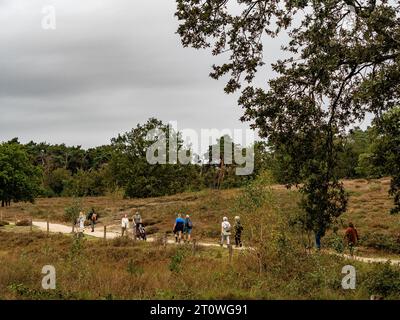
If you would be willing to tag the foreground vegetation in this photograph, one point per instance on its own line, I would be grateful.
(122, 269)
(279, 266)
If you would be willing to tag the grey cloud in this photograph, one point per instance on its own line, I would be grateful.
(109, 65)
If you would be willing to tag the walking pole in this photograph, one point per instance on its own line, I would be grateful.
(105, 232)
(48, 227)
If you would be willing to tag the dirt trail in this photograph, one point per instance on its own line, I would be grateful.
(366, 260)
(60, 228)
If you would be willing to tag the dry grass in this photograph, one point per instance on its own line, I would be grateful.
(121, 269)
(277, 268)
(368, 209)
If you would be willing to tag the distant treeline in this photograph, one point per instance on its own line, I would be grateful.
(41, 169)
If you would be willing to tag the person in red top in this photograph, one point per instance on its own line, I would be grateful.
(351, 237)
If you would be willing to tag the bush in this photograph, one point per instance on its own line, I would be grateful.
(4, 223)
(384, 280)
(176, 260)
(381, 242)
(71, 213)
(23, 223)
(335, 242)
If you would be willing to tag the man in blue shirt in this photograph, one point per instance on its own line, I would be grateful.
(178, 228)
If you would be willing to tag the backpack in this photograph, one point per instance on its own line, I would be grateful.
(189, 224)
(228, 227)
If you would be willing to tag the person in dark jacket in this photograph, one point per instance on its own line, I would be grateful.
(178, 228)
(351, 237)
(238, 232)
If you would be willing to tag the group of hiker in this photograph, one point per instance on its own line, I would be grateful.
(183, 227)
(92, 217)
(139, 232)
(183, 230)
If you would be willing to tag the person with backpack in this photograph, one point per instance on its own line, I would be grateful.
(225, 231)
(178, 228)
(137, 223)
(124, 225)
(92, 217)
(238, 232)
(187, 230)
(351, 237)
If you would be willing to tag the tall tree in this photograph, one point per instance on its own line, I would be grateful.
(19, 179)
(342, 61)
(387, 152)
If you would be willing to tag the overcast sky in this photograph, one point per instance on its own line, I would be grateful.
(109, 65)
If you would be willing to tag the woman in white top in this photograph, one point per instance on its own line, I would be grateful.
(81, 222)
(225, 231)
(124, 225)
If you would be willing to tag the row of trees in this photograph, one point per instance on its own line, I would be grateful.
(40, 169)
(59, 170)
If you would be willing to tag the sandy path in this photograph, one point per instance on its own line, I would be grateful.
(368, 260)
(60, 228)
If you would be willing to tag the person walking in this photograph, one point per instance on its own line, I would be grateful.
(318, 236)
(225, 231)
(93, 218)
(238, 232)
(351, 237)
(137, 221)
(178, 228)
(81, 224)
(124, 225)
(187, 229)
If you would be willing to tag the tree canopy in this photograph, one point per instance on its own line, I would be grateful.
(341, 62)
(19, 178)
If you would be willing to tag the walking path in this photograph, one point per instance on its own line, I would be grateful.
(60, 228)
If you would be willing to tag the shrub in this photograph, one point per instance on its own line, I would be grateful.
(23, 223)
(71, 213)
(381, 242)
(384, 280)
(176, 260)
(4, 223)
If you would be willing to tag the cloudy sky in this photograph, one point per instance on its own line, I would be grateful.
(109, 65)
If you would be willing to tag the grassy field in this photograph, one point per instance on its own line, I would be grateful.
(122, 269)
(368, 209)
(277, 267)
